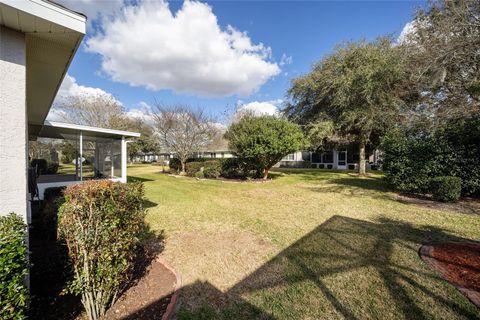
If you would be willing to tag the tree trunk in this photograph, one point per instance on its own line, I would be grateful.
(183, 167)
(265, 173)
(362, 165)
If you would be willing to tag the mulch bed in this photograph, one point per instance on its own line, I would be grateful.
(147, 297)
(465, 205)
(459, 264)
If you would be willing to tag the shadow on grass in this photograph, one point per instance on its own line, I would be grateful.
(138, 179)
(345, 268)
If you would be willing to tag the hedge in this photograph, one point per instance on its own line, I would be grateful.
(411, 161)
(13, 268)
(446, 189)
(101, 222)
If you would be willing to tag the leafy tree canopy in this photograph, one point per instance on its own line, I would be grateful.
(264, 140)
(354, 93)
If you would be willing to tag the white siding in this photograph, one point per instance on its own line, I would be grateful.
(13, 123)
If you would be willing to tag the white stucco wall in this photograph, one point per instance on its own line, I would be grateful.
(13, 123)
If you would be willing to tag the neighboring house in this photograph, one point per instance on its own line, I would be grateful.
(38, 40)
(334, 159)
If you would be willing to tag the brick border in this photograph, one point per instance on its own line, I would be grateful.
(176, 291)
(426, 254)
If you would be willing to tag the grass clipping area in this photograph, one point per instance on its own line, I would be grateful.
(311, 244)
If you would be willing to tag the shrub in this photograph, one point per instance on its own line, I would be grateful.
(329, 166)
(321, 166)
(175, 164)
(237, 168)
(212, 169)
(101, 222)
(52, 167)
(192, 168)
(446, 189)
(43, 166)
(40, 165)
(412, 160)
(199, 175)
(13, 267)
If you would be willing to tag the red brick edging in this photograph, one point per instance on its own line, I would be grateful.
(173, 301)
(426, 253)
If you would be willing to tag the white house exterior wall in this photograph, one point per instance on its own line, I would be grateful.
(13, 123)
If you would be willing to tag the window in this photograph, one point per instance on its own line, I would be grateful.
(289, 157)
(327, 157)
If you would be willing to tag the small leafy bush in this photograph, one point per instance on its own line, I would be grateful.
(237, 168)
(446, 189)
(212, 169)
(192, 168)
(52, 167)
(101, 223)
(43, 166)
(199, 175)
(176, 165)
(13, 267)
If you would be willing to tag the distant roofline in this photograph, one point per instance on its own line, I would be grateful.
(78, 127)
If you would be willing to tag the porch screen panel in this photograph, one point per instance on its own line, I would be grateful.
(117, 158)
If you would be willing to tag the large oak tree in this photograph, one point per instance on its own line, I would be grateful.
(354, 93)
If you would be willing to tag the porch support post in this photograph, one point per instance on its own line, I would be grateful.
(81, 155)
(124, 160)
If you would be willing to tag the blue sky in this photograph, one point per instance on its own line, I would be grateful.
(301, 31)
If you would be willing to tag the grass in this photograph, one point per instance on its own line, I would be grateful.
(307, 245)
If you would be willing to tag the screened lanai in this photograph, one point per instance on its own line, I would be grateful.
(62, 154)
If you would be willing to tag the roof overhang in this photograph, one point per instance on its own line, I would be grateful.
(53, 35)
(60, 130)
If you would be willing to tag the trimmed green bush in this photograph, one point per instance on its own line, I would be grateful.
(191, 168)
(199, 175)
(446, 189)
(176, 165)
(101, 222)
(236, 168)
(13, 268)
(411, 160)
(212, 169)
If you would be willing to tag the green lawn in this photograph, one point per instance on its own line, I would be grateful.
(307, 245)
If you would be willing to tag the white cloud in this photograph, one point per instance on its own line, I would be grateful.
(70, 88)
(407, 31)
(93, 9)
(259, 108)
(143, 112)
(284, 60)
(188, 52)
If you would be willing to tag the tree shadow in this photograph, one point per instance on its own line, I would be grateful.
(149, 204)
(346, 268)
(138, 179)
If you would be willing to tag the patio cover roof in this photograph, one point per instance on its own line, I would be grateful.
(59, 130)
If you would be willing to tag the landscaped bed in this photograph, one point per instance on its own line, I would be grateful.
(459, 264)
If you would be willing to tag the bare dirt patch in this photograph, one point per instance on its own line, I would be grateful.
(213, 260)
(467, 205)
(149, 298)
(459, 264)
